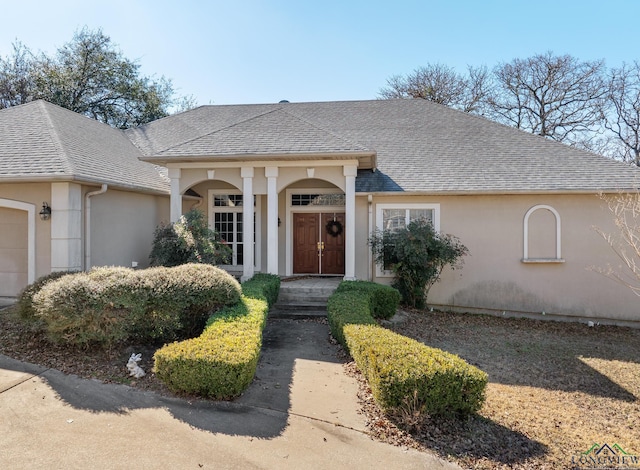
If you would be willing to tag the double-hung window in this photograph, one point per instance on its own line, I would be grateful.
(399, 216)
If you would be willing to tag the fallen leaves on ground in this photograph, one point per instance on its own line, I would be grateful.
(554, 390)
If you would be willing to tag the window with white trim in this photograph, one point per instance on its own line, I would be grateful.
(398, 216)
(226, 218)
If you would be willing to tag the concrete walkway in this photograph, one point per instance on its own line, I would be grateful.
(300, 412)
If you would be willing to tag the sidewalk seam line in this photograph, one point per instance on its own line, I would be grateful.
(26, 380)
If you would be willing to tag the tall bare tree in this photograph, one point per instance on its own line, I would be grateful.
(440, 84)
(622, 113)
(557, 97)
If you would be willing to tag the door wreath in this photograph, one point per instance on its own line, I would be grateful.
(334, 228)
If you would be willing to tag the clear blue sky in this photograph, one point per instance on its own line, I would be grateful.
(252, 51)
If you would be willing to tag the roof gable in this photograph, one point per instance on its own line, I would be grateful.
(275, 132)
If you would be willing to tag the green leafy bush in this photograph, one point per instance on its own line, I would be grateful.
(87, 308)
(192, 291)
(404, 375)
(24, 305)
(417, 255)
(345, 308)
(222, 361)
(401, 370)
(262, 286)
(110, 305)
(384, 299)
(190, 240)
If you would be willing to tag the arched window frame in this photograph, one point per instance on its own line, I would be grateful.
(525, 256)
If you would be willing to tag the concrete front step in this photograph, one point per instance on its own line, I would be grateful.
(306, 305)
(302, 298)
(296, 313)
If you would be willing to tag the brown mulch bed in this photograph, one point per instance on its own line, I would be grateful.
(25, 343)
(554, 389)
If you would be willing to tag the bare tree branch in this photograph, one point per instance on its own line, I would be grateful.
(625, 242)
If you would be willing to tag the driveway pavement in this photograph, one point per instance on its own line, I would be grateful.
(301, 411)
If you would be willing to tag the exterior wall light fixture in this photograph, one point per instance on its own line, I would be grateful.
(45, 213)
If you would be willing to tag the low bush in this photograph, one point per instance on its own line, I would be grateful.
(24, 304)
(346, 308)
(222, 361)
(106, 306)
(403, 372)
(384, 300)
(88, 308)
(405, 376)
(192, 291)
(262, 286)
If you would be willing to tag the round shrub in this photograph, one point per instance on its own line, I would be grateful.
(24, 305)
(192, 291)
(110, 305)
(88, 308)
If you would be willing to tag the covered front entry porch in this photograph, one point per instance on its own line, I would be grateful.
(303, 213)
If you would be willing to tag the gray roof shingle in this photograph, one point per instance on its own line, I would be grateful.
(275, 132)
(421, 146)
(40, 140)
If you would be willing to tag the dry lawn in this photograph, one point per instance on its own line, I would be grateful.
(554, 389)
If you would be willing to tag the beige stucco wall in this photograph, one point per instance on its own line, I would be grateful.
(495, 279)
(122, 226)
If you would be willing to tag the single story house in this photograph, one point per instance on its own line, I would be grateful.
(296, 188)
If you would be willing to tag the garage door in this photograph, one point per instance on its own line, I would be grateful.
(13, 251)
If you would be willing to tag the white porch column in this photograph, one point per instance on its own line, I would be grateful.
(272, 219)
(176, 197)
(350, 173)
(247, 223)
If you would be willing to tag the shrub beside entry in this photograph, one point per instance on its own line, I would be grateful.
(222, 361)
(106, 306)
(401, 372)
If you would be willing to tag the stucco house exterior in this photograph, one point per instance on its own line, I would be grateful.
(319, 177)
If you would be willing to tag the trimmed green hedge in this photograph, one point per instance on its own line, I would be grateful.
(404, 374)
(109, 305)
(221, 362)
(345, 308)
(384, 300)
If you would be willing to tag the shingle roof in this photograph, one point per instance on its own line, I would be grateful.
(421, 146)
(40, 140)
(275, 132)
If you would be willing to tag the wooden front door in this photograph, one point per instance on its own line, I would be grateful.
(333, 254)
(315, 251)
